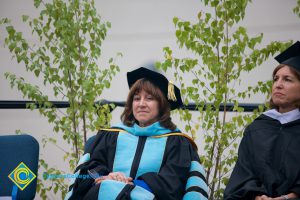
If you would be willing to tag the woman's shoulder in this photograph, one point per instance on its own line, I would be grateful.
(262, 122)
(177, 137)
(110, 130)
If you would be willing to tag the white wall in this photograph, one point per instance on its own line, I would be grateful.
(140, 29)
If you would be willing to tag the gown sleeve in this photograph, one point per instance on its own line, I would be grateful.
(296, 187)
(169, 183)
(100, 150)
(243, 183)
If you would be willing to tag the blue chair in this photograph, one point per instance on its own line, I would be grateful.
(89, 143)
(19, 156)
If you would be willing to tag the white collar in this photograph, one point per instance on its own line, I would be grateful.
(283, 117)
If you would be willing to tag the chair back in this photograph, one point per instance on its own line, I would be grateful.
(89, 143)
(19, 156)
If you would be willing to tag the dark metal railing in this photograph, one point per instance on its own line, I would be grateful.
(248, 107)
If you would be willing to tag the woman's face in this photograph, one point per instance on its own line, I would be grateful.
(145, 108)
(285, 90)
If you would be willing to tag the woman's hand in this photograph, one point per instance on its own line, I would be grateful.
(264, 197)
(117, 176)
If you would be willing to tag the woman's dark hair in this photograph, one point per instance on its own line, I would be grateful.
(294, 72)
(163, 104)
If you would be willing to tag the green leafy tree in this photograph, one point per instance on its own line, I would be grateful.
(223, 51)
(70, 36)
(297, 9)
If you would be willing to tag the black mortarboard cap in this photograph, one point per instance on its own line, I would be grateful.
(171, 92)
(291, 56)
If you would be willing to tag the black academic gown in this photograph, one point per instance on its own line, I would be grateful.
(168, 183)
(268, 161)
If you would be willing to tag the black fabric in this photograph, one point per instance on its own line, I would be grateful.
(168, 184)
(197, 189)
(157, 79)
(102, 156)
(125, 193)
(291, 56)
(198, 174)
(92, 193)
(137, 157)
(268, 161)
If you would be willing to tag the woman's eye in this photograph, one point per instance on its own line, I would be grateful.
(150, 97)
(289, 80)
(136, 98)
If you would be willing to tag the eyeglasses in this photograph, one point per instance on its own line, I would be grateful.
(93, 173)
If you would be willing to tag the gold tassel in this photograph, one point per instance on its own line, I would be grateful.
(171, 92)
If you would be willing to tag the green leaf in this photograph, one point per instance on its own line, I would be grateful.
(37, 3)
(25, 18)
(37, 72)
(175, 20)
(10, 30)
(4, 21)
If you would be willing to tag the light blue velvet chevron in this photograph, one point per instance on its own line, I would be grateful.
(196, 187)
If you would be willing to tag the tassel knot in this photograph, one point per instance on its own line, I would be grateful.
(171, 91)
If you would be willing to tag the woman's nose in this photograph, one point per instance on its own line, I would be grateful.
(142, 102)
(278, 84)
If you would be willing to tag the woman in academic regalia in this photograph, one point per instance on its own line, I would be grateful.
(268, 165)
(145, 157)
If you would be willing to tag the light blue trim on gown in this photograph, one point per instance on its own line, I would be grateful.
(110, 189)
(196, 181)
(152, 156)
(154, 129)
(193, 196)
(125, 151)
(139, 193)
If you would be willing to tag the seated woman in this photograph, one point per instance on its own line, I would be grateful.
(268, 165)
(145, 157)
